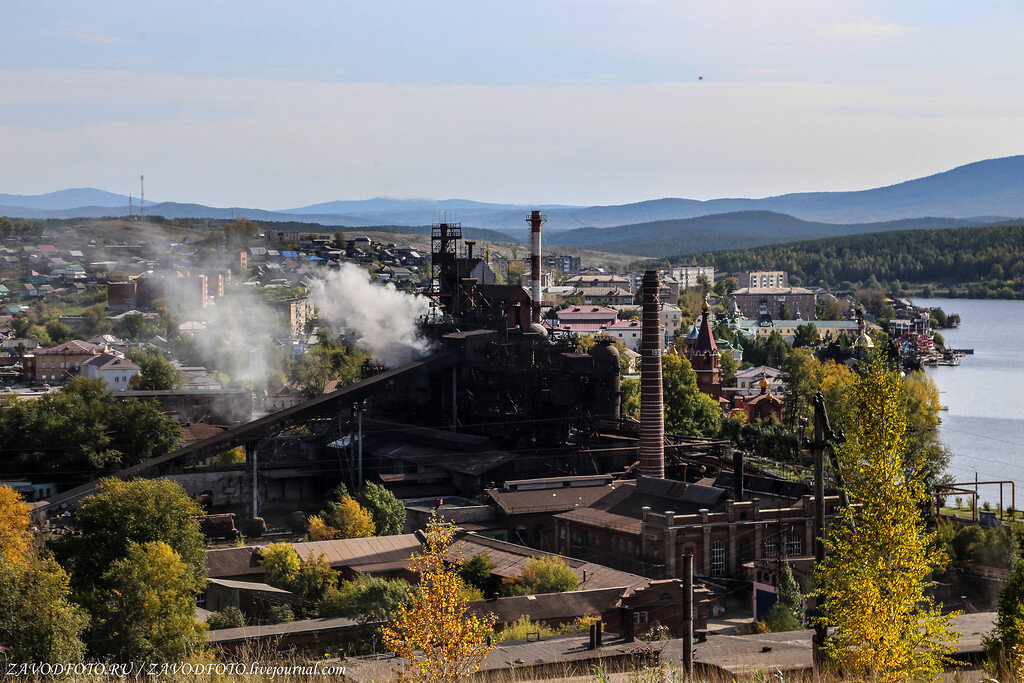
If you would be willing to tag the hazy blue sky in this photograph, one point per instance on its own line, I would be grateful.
(281, 104)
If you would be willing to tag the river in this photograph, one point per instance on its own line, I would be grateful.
(984, 424)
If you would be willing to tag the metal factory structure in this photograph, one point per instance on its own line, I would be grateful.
(498, 398)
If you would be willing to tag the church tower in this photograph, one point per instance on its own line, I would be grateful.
(705, 358)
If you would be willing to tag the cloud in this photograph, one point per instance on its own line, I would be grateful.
(874, 27)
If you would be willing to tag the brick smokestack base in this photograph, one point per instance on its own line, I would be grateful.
(535, 221)
(652, 408)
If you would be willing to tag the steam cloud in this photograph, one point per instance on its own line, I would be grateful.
(380, 319)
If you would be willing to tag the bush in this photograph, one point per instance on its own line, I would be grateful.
(780, 618)
(542, 575)
(366, 599)
(279, 614)
(229, 617)
(476, 571)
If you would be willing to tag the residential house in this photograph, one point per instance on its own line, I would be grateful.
(58, 363)
(114, 369)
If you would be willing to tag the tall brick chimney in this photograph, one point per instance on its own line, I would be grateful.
(652, 410)
(536, 218)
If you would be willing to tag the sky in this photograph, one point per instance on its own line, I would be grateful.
(278, 105)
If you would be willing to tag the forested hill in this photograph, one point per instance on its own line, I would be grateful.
(740, 229)
(977, 262)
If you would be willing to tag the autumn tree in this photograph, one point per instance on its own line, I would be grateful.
(433, 633)
(872, 585)
(280, 564)
(347, 518)
(38, 621)
(15, 537)
(148, 612)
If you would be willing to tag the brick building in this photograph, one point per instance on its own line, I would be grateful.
(527, 505)
(58, 363)
(224, 406)
(754, 302)
(646, 527)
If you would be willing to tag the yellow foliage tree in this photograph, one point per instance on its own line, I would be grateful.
(432, 631)
(15, 537)
(871, 586)
(349, 518)
(319, 530)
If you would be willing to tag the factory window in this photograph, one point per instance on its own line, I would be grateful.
(795, 546)
(718, 558)
(770, 547)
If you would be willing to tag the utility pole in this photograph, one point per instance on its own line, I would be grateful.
(142, 197)
(688, 614)
(823, 435)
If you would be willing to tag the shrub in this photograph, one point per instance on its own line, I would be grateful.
(542, 575)
(229, 617)
(278, 614)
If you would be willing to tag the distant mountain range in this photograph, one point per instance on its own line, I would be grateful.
(738, 230)
(974, 194)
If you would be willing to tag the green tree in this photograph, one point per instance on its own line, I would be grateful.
(1004, 647)
(789, 594)
(80, 432)
(38, 621)
(315, 578)
(366, 599)
(688, 411)
(871, 586)
(156, 373)
(148, 610)
(806, 335)
(94, 321)
(387, 511)
(59, 332)
(542, 575)
(477, 570)
(126, 515)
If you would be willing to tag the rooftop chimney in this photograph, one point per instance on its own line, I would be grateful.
(652, 412)
(535, 222)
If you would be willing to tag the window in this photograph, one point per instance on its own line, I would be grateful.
(639, 617)
(770, 547)
(795, 546)
(718, 558)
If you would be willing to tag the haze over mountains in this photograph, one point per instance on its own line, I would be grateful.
(974, 194)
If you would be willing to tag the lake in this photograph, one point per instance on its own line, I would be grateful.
(984, 426)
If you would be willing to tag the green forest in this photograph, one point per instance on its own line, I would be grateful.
(984, 262)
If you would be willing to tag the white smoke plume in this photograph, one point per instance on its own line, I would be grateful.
(378, 318)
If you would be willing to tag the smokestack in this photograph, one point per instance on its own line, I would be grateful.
(652, 412)
(737, 476)
(535, 222)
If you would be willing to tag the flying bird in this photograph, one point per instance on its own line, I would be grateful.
(700, 78)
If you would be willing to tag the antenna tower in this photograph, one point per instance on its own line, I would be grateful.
(142, 196)
(129, 206)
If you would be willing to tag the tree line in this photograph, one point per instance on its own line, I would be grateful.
(985, 262)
